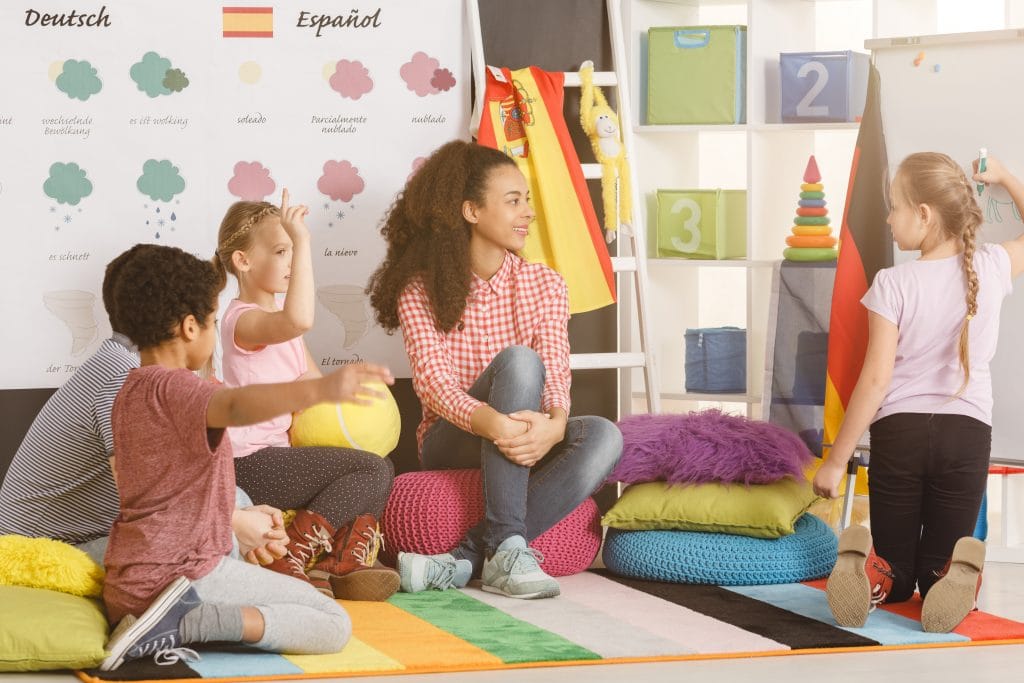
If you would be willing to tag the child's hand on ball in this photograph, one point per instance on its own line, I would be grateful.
(353, 383)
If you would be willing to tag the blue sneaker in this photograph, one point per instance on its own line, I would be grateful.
(514, 571)
(440, 572)
(156, 631)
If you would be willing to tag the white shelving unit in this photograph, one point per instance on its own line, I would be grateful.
(764, 156)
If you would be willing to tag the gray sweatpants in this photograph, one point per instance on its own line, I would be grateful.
(298, 619)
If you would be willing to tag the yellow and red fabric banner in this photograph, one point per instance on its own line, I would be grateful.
(523, 119)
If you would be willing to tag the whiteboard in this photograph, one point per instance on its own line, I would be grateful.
(142, 122)
(964, 94)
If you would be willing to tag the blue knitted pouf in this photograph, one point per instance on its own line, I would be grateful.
(723, 559)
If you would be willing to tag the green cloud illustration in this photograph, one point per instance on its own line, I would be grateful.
(67, 183)
(175, 80)
(160, 180)
(78, 80)
(149, 74)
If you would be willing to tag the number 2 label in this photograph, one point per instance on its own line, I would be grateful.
(805, 108)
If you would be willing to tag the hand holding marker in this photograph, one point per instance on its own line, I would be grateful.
(982, 159)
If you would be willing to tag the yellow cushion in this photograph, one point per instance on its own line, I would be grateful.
(41, 629)
(760, 510)
(49, 564)
(374, 428)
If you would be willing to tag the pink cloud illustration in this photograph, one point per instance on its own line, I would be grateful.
(416, 164)
(251, 181)
(418, 72)
(340, 180)
(443, 80)
(351, 79)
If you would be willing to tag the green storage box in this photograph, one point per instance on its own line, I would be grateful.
(696, 74)
(702, 224)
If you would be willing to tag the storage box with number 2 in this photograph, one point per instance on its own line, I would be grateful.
(823, 86)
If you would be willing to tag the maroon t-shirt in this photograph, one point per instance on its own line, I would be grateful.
(176, 481)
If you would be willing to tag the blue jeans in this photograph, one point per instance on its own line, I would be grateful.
(521, 500)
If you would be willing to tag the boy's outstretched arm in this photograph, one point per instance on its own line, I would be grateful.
(261, 402)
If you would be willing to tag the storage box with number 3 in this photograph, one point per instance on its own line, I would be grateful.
(702, 224)
(823, 86)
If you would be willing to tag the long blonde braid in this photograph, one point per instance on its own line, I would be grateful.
(936, 180)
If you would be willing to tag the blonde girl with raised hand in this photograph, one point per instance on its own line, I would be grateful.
(339, 494)
(925, 390)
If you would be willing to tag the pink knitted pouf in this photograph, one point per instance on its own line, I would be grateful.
(429, 512)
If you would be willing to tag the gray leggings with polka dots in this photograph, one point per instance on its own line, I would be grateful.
(338, 483)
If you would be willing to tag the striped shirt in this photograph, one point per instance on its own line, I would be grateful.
(59, 484)
(523, 304)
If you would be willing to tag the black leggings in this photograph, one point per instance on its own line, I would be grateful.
(926, 478)
(338, 483)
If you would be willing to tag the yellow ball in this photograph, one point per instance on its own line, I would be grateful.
(372, 428)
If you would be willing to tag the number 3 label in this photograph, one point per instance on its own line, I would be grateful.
(805, 108)
(691, 226)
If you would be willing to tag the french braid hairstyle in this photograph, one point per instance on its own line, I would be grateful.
(236, 233)
(427, 236)
(936, 180)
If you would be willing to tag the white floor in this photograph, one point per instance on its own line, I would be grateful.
(1002, 593)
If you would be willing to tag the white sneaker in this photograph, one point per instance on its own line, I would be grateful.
(514, 571)
(439, 572)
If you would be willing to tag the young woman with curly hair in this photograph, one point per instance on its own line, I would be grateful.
(487, 339)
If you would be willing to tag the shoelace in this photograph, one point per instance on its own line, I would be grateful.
(366, 551)
(172, 655)
(440, 575)
(522, 559)
(878, 596)
(304, 555)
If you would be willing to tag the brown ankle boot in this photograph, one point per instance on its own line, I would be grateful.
(860, 581)
(352, 569)
(309, 537)
(954, 595)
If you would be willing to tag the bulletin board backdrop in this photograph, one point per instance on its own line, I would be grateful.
(125, 122)
(955, 94)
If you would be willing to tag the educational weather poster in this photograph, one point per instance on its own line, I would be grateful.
(125, 122)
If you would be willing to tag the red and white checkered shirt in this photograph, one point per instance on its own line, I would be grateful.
(525, 304)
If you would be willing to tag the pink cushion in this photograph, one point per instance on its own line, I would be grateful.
(430, 512)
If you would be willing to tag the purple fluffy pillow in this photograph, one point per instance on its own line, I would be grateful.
(707, 446)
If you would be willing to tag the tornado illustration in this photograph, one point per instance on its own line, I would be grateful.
(74, 308)
(348, 303)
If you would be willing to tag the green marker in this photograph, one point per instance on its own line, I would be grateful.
(982, 158)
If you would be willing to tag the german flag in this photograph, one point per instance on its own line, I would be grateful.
(865, 247)
(248, 22)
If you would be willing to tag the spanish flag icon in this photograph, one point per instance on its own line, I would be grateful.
(248, 22)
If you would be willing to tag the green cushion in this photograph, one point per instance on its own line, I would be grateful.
(42, 629)
(761, 511)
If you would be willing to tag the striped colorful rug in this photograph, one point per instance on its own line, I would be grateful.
(599, 618)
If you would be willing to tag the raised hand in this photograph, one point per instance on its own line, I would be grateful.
(293, 217)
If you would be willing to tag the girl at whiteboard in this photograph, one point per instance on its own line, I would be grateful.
(339, 493)
(926, 391)
(487, 339)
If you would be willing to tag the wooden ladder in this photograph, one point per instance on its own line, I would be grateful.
(635, 260)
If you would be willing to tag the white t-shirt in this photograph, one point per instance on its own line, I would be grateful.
(927, 301)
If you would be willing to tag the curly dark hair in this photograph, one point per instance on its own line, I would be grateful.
(110, 275)
(157, 288)
(427, 236)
